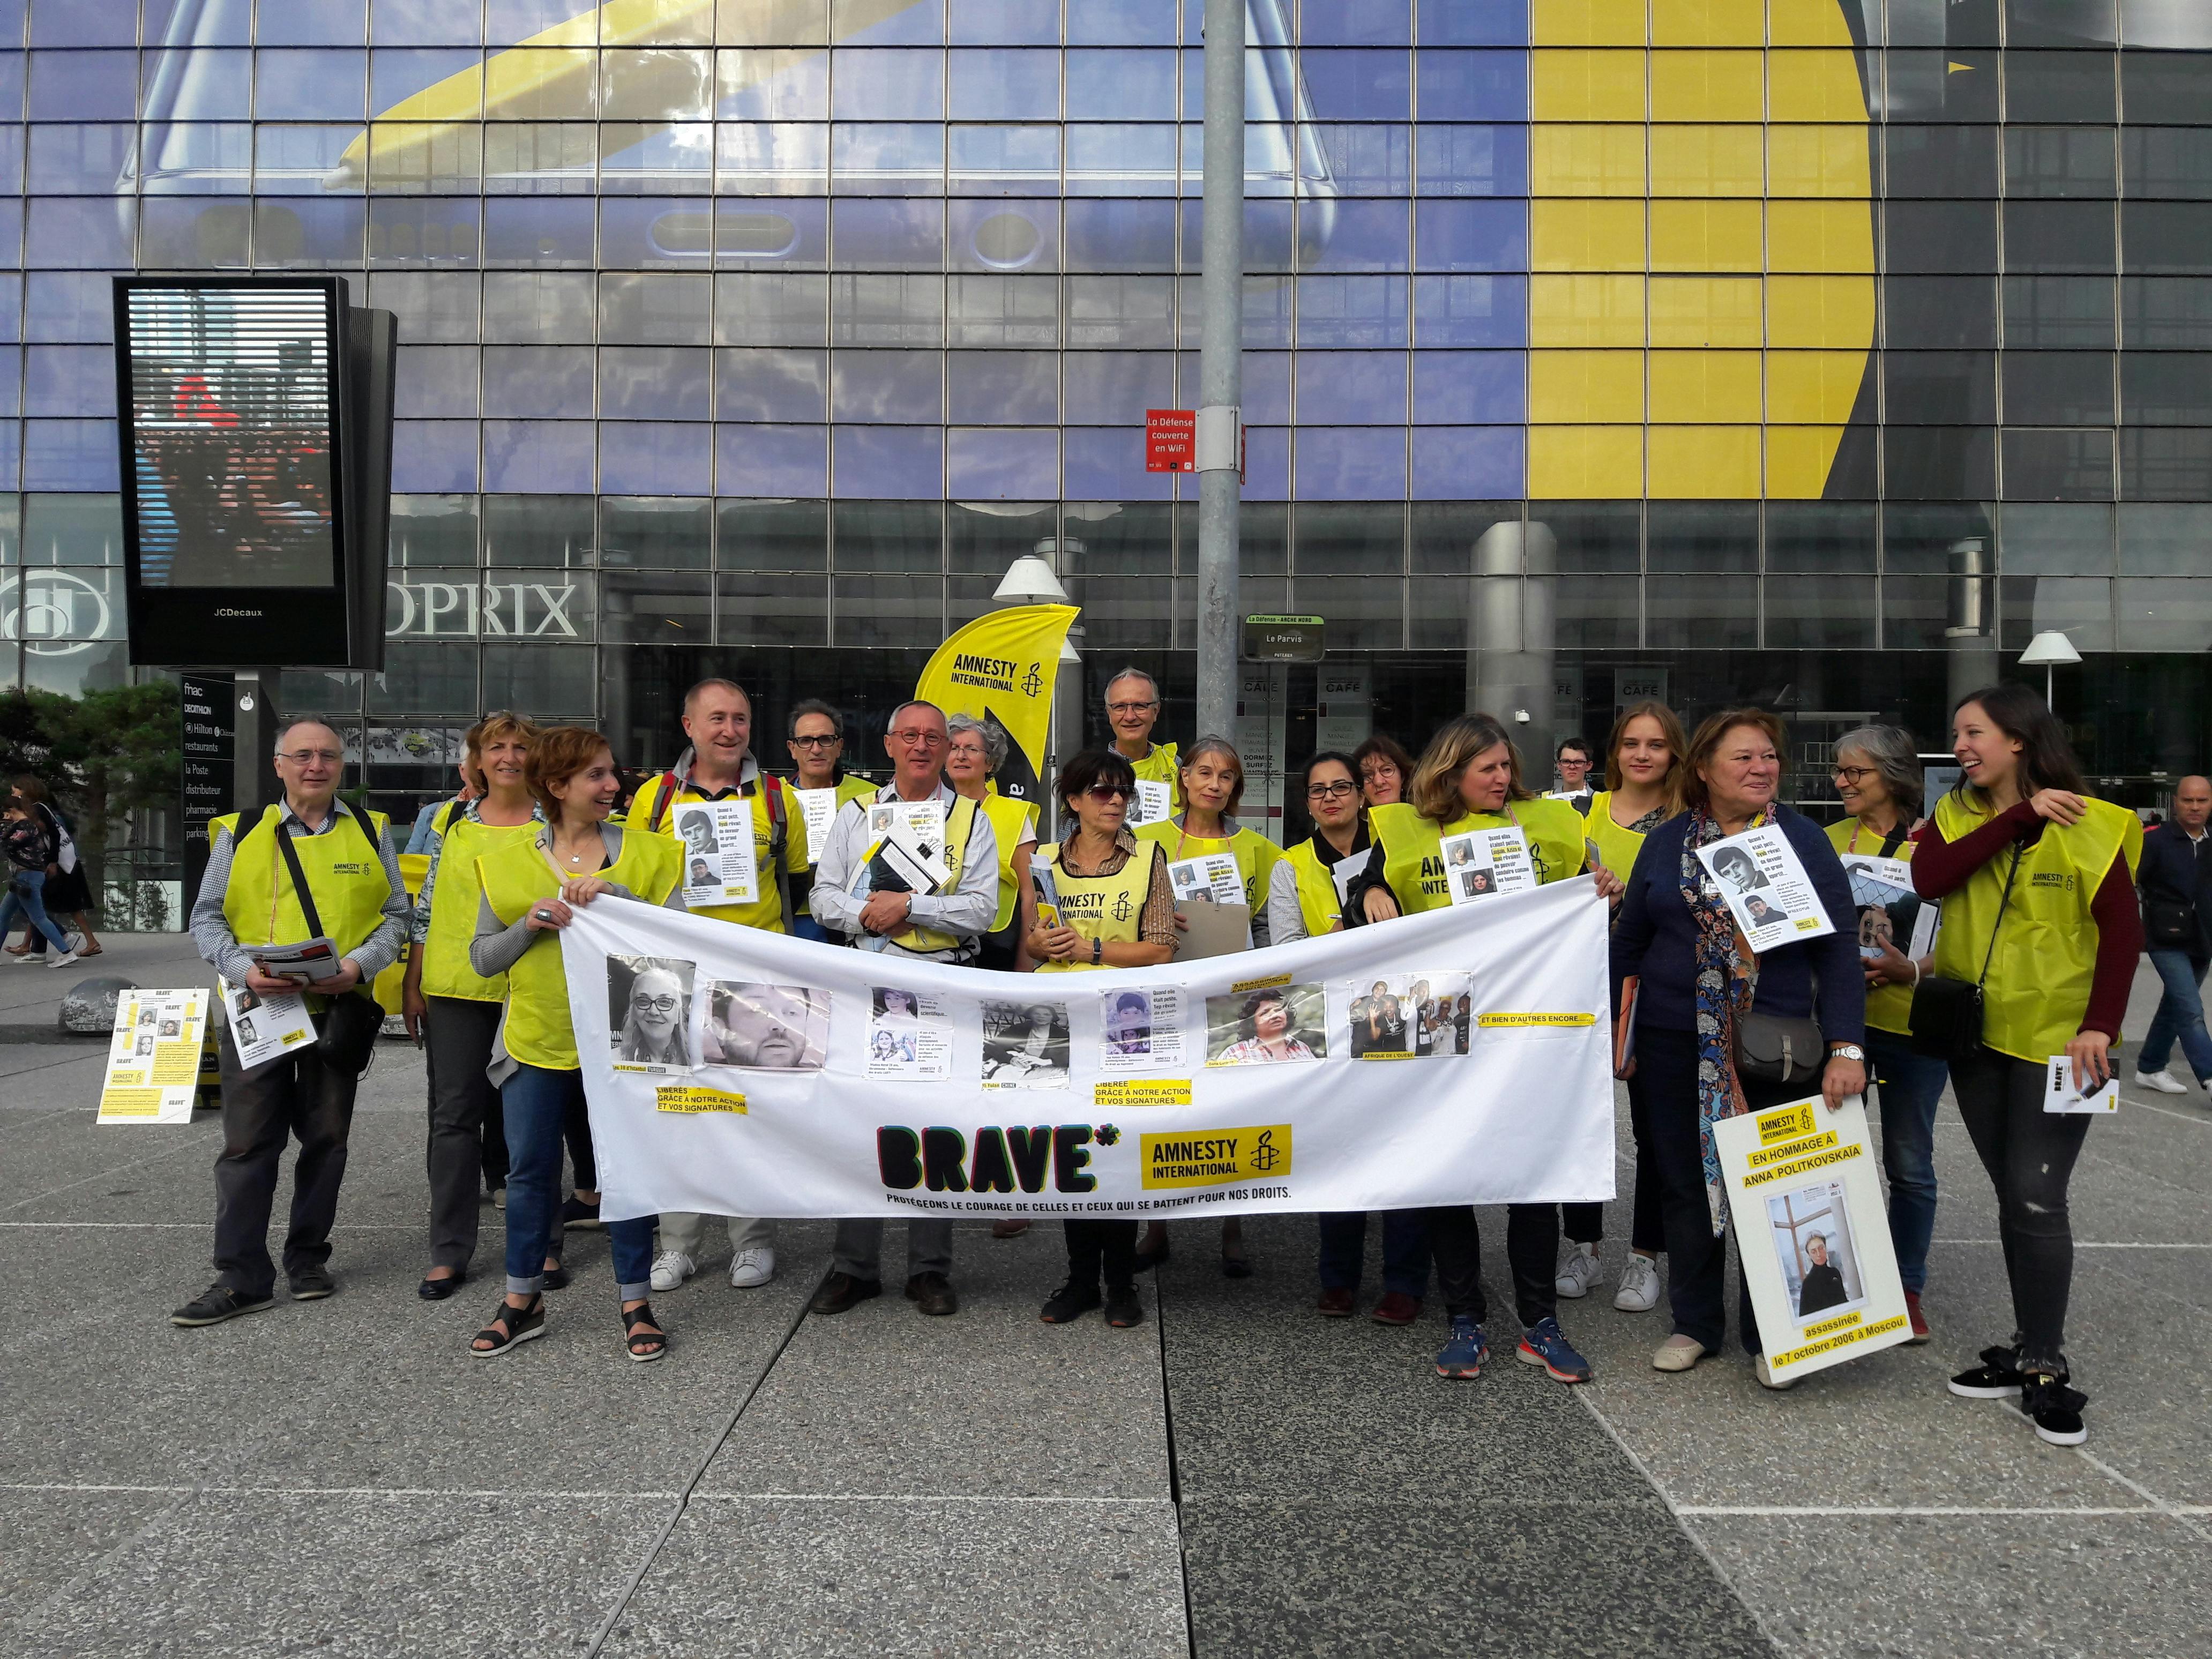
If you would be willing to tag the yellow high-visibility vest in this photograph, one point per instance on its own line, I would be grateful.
(1412, 846)
(344, 868)
(1616, 847)
(1012, 822)
(1108, 909)
(767, 909)
(1888, 1007)
(1255, 855)
(446, 970)
(1318, 906)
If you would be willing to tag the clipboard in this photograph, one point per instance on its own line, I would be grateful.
(1214, 930)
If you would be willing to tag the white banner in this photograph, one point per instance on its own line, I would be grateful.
(1460, 1056)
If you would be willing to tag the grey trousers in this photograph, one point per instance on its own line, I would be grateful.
(464, 1115)
(683, 1230)
(293, 1094)
(859, 1248)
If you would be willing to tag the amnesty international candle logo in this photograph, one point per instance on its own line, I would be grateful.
(1215, 1158)
(1032, 682)
(1122, 907)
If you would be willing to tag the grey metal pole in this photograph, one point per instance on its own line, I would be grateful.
(1221, 342)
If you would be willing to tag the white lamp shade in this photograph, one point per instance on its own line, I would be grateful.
(2050, 649)
(1030, 580)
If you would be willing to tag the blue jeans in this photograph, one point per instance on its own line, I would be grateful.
(2180, 1014)
(535, 1105)
(1907, 1085)
(26, 894)
(1405, 1251)
(806, 928)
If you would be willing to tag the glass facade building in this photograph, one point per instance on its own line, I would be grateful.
(1817, 352)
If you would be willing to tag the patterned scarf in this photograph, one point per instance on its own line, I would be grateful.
(1727, 977)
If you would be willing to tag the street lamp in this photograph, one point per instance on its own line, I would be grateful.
(1030, 580)
(2047, 651)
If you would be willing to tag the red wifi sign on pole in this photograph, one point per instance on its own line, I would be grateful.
(1171, 441)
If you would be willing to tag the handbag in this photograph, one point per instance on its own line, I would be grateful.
(1781, 1049)
(1946, 1013)
(2170, 924)
(346, 1030)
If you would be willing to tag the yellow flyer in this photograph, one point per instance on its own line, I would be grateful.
(154, 1057)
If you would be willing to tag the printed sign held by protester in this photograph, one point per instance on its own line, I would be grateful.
(1767, 888)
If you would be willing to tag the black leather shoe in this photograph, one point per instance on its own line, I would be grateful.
(312, 1283)
(932, 1294)
(437, 1289)
(1071, 1301)
(558, 1277)
(840, 1292)
(1122, 1308)
(218, 1303)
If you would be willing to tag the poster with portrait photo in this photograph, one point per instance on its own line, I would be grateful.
(1153, 803)
(718, 867)
(1767, 890)
(1890, 912)
(1410, 1016)
(765, 1028)
(649, 1013)
(1811, 1231)
(1139, 1028)
(1483, 863)
(1267, 1025)
(1025, 1045)
(908, 1035)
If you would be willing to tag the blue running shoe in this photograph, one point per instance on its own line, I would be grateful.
(1463, 1355)
(1546, 1345)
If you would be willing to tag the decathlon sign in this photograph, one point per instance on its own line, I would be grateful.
(490, 609)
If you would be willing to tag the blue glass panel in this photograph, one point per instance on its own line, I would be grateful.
(312, 22)
(11, 85)
(433, 381)
(665, 157)
(1472, 86)
(1363, 388)
(11, 234)
(1106, 387)
(68, 455)
(657, 233)
(84, 23)
(1002, 465)
(71, 379)
(1119, 235)
(889, 463)
(443, 232)
(546, 231)
(1121, 86)
(768, 86)
(1352, 464)
(1004, 85)
(868, 85)
(1006, 388)
(1454, 234)
(550, 381)
(398, 73)
(13, 316)
(871, 23)
(772, 383)
(654, 382)
(1354, 234)
(1359, 85)
(772, 158)
(1267, 465)
(1003, 235)
(68, 305)
(1267, 386)
(1351, 311)
(538, 458)
(772, 460)
(1108, 464)
(1469, 388)
(1368, 160)
(1268, 303)
(888, 235)
(887, 158)
(1471, 311)
(507, 21)
(302, 161)
(303, 233)
(424, 23)
(895, 388)
(775, 233)
(1121, 160)
(81, 231)
(196, 158)
(656, 458)
(1356, 22)
(1003, 161)
(1475, 23)
(84, 86)
(68, 159)
(11, 454)
(225, 24)
(434, 457)
(199, 85)
(11, 390)
(1003, 22)
(1126, 23)
(1474, 160)
(183, 234)
(310, 86)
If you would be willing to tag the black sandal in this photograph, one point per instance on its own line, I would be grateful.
(523, 1325)
(555, 1278)
(647, 1347)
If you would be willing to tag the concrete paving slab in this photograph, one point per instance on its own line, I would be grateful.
(930, 1575)
(48, 1538)
(250, 1575)
(1985, 1587)
(991, 1400)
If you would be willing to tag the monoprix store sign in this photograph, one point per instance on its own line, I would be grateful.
(491, 609)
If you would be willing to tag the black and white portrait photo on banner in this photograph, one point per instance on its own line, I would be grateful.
(1025, 1045)
(782, 1028)
(1812, 1232)
(908, 1035)
(1416, 1016)
(1267, 1025)
(649, 1013)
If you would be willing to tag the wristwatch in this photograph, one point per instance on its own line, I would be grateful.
(1097, 952)
(1846, 1051)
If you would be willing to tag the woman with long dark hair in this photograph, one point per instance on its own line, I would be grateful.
(2038, 885)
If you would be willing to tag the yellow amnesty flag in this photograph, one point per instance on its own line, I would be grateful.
(1000, 668)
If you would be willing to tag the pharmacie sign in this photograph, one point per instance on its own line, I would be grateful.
(491, 609)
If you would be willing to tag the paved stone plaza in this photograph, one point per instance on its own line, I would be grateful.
(1236, 1477)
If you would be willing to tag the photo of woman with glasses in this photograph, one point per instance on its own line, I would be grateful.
(649, 1010)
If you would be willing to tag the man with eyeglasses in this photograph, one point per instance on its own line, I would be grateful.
(858, 894)
(817, 742)
(250, 896)
(1133, 707)
(719, 765)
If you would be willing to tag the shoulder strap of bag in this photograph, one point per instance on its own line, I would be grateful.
(454, 810)
(1894, 839)
(660, 799)
(306, 894)
(779, 834)
(1993, 953)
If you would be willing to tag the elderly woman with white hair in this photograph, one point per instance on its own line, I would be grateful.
(977, 749)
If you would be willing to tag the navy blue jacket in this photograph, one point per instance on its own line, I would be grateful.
(2173, 873)
(1655, 937)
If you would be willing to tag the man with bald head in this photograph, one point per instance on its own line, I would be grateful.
(2175, 881)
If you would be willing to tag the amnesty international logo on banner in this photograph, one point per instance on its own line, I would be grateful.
(1002, 669)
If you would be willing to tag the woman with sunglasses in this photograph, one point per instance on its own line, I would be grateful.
(1114, 909)
(529, 888)
(1469, 778)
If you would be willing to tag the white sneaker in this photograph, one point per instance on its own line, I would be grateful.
(670, 1268)
(73, 941)
(66, 959)
(28, 961)
(1579, 1272)
(2161, 1082)
(1639, 1286)
(750, 1269)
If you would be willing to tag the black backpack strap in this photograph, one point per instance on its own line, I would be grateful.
(305, 894)
(454, 810)
(779, 837)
